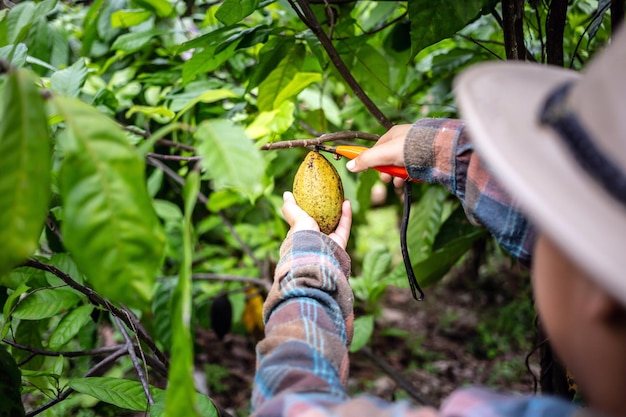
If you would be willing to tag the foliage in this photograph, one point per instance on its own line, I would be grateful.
(133, 191)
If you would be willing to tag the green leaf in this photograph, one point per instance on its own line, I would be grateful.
(433, 21)
(90, 25)
(24, 169)
(160, 113)
(225, 151)
(298, 83)
(206, 60)
(109, 223)
(232, 11)
(210, 96)
(69, 326)
(134, 41)
(180, 396)
(15, 54)
(119, 392)
(45, 303)
(162, 8)
(272, 52)
(19, 21)
(275, 121)
(129, 18)
(70, 80)
(376, 264)
(279, 78)
(363, 330)
(10, 386)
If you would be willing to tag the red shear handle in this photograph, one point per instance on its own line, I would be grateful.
(352, 152)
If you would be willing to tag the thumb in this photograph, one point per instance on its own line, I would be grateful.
(384, 154)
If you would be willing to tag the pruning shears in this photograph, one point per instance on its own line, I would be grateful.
(352, 151)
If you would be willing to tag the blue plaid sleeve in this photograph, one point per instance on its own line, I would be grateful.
(439, 151)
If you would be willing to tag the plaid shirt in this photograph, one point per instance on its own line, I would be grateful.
(302, 363)
(439, 151)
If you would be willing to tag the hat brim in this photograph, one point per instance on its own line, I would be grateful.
(500, 104)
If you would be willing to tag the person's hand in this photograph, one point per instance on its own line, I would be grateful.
(298, 219)
(388, 150)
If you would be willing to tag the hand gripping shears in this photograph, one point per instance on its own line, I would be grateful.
(352, 151)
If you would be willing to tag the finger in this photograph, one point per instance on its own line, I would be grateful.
(398, 182)
(386, 178)
(342, 232)
(297, 218)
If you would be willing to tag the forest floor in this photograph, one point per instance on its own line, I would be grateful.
(466, 332)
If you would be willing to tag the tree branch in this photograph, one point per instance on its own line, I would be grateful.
(513, 26)
(98, 300)
(133, 357)
(67, 354)
(328, 137)
(308, 17)
(555, 28)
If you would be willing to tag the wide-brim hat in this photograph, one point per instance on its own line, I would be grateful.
(556, 140)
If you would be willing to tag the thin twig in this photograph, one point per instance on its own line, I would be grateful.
(178, 145)
(328, 137)
(393, 373)
(173, 157)
(67, 354)
(133, 357)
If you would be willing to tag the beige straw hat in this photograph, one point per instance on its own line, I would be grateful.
(556, 140)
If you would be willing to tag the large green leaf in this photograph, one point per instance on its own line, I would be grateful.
(180, 397)
(109, 223)
(69, 326)
(120, 392)
(24, 169)
(45, 303)
(432, 21)
(130, 395)
(230, 158)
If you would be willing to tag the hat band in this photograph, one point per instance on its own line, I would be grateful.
(557, 114)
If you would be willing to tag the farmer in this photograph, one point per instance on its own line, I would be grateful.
(556, 141)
